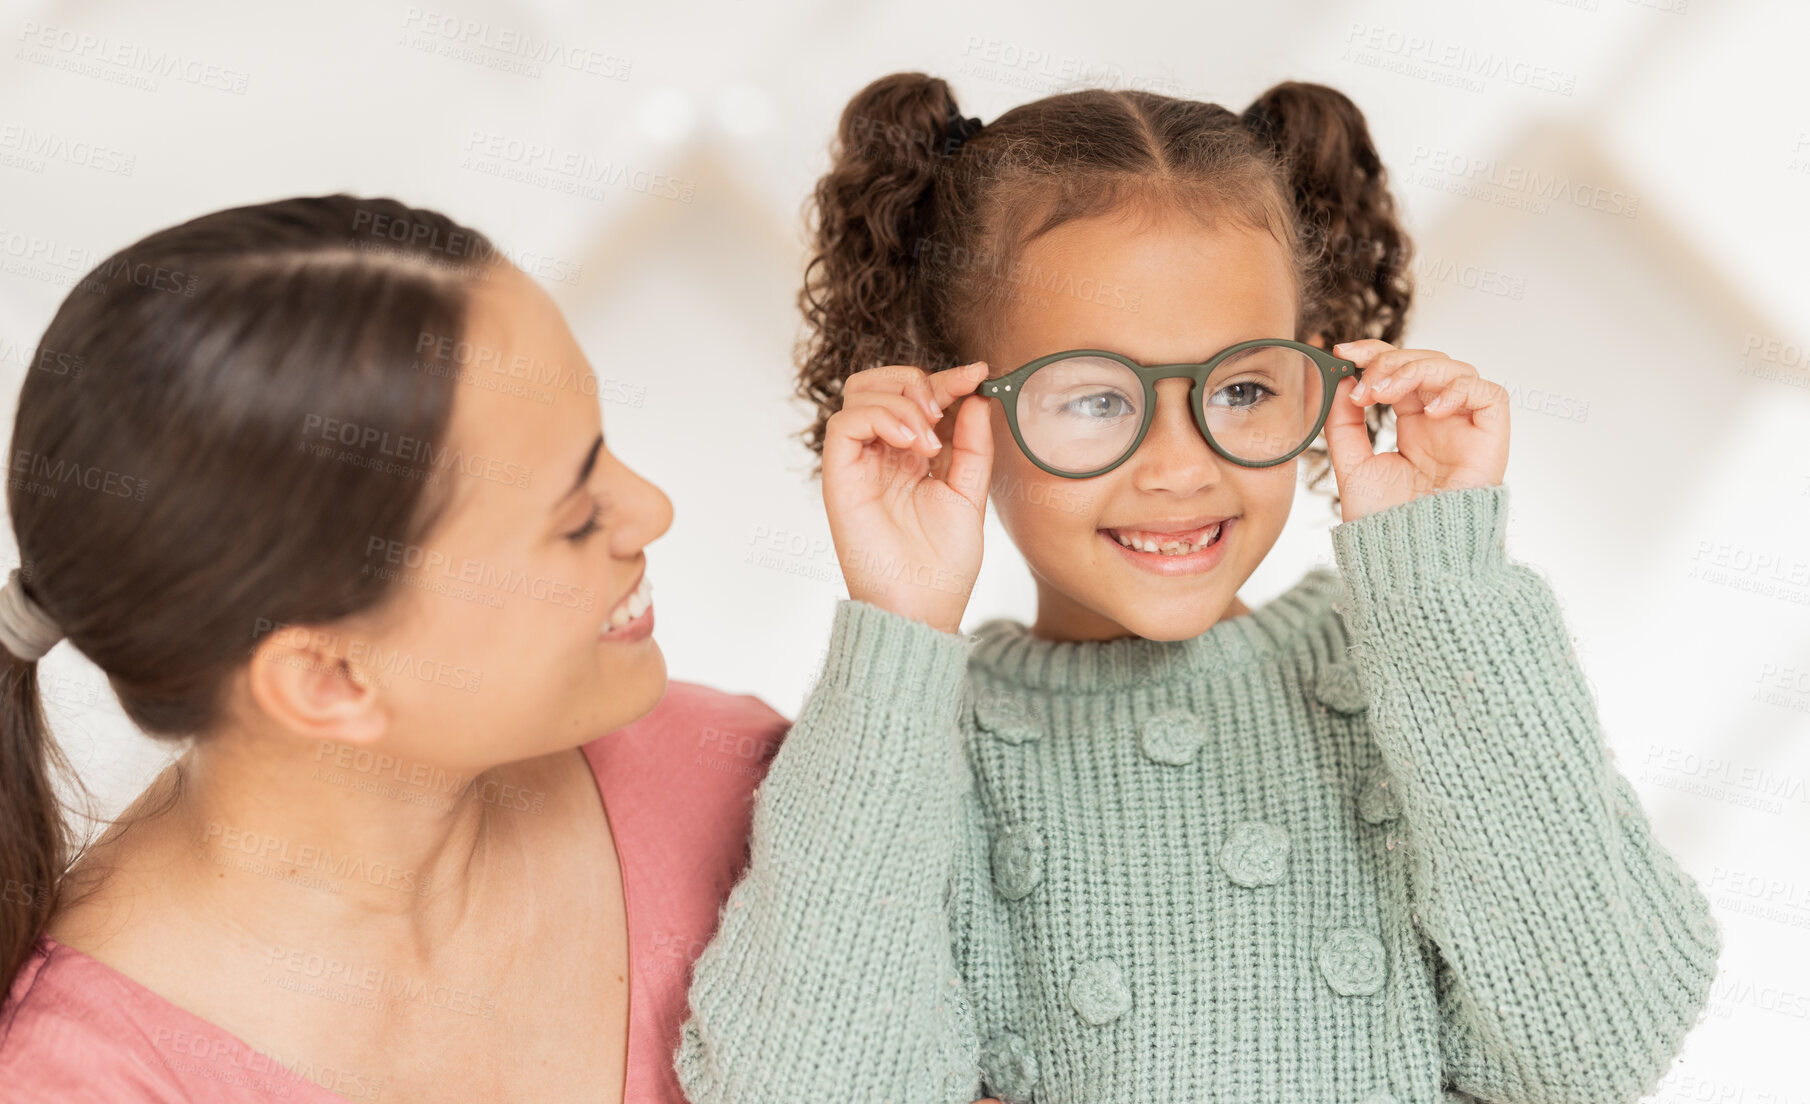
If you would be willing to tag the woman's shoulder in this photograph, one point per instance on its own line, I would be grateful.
(73, 1029)
(689, 703)
(679, 787)
(679, 784)
(695, 732)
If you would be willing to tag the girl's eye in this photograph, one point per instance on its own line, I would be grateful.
(591, 525)
(1101, 404)
(1250, 392)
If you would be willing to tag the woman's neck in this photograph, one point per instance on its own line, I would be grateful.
(279, 838)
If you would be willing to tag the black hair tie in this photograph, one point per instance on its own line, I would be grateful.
(960, 130)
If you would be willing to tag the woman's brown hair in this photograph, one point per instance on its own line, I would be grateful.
(915, 233)
(173, 484)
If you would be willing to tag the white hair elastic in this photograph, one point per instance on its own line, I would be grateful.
(25, 629)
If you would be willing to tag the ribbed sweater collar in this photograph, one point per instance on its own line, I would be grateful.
(1007, 649)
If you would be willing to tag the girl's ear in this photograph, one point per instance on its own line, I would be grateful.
(1318, 340)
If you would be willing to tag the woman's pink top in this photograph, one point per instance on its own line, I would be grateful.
(677, 787)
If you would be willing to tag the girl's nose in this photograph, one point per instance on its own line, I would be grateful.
(1175, 458)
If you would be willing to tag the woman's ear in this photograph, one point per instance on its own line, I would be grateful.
(308, 679)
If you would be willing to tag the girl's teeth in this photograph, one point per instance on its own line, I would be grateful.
(1169, 547)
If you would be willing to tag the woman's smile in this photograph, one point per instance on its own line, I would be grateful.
(632, 617)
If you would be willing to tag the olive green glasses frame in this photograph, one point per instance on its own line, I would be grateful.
(1009, 387)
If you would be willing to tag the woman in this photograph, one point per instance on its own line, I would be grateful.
(441, 830)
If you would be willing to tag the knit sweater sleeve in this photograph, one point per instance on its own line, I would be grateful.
(831, 974)
(1571, 953)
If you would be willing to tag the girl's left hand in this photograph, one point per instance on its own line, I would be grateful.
(1451, 427)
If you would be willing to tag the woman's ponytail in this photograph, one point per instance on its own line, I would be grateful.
(870, 216)
(1360, 284)
(34, 837)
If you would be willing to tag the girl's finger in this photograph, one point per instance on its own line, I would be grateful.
(1362, 351)
(1391, 359)
(1416, 394)
(849, 431)
(1409, 377)
(1470, 393)
(971, 459)
(1386, 367)
(1382, 364)
(892, 379)
(917, 389)
(931, 393)
(952, 383)
(909, 411)
(1422, 378)
(1347, 442)
(1449, 399)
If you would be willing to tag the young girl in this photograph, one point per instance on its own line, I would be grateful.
(1363, 843)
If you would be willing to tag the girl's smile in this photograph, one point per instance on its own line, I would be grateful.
(1184, 548)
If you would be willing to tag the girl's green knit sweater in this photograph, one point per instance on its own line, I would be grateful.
(1362, 845)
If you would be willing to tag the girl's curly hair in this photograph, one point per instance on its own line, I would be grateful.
(915, 234)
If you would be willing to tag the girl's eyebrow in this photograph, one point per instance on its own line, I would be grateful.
(584, 469)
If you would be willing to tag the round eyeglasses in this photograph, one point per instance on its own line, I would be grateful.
(1083, 412)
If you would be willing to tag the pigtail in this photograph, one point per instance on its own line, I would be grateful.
(1358, 252)
(870, 216)
(1355, 252)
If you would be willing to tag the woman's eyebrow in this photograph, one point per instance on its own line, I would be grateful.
(584, 469)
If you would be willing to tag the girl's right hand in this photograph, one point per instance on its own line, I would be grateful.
(907, 530)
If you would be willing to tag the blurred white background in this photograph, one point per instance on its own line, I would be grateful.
(1610, 200)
